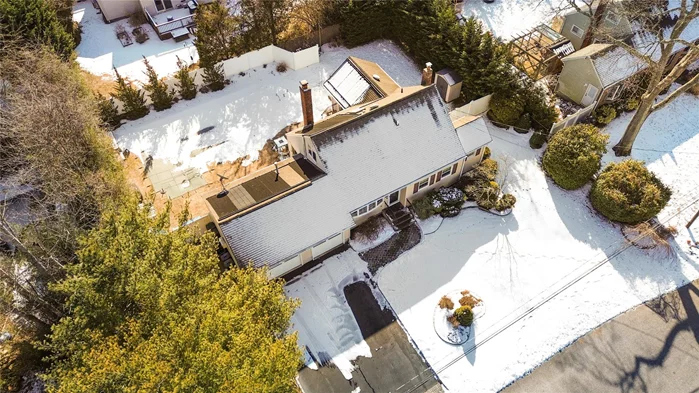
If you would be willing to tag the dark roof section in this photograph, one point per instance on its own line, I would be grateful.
(451, 76)
(249, 193)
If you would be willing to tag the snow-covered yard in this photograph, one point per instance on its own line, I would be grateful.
(507, 18)
(254, 108)
(552, 237)
(100, 49)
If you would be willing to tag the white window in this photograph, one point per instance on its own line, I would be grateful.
(613, 18)
(372, 205)
(354, 213)
(614, 92)
(362, 210)
(577, 31)
(423, 183)
(379, 202)
(446, 172)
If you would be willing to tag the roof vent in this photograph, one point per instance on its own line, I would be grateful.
(376, 77)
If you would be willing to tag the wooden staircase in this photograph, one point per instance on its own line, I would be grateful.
(399, 216)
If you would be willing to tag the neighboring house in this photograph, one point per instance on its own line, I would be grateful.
(378, 153)
(169, 18)
(595, 74)
(574, 25)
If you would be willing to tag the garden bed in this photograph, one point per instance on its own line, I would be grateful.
(371, 234)
(443, 318)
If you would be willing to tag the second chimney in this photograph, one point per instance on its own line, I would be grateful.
(306, 105)
(427, 75)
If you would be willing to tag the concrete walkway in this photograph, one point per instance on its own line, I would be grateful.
(653, 348)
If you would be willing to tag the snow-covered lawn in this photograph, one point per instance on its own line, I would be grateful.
(507, 18)
(552, 237)
(254, 108)
(100, 49)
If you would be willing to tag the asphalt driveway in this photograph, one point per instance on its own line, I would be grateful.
(393, 363)
(652, 348)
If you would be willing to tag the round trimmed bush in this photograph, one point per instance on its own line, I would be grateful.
(486, 153)
(507, 201)
(537, 140)
(604, 115)
(628, 192)
(573, 155)
(506, 109)
(464, 315)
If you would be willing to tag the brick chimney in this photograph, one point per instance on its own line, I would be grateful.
(427, 75)
(306, 105)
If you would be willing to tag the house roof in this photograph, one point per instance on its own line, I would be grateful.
(474, 134)
(368, 157)
(359, 81)
(613, 64)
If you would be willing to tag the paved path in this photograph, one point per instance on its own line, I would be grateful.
(653, 348)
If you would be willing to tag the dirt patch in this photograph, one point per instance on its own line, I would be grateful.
(392, 248)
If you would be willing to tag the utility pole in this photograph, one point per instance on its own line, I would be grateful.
(595, 22)
(689, 224)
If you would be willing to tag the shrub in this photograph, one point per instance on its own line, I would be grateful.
(487, 196)
(133, 99)
(632, 104)
(185, 82)
(369, 230)
(604, 115)
(573, 155)
(159, 94)
(141, 35)
(523, 124)
(445, 302)
(467, 299)
(487, 170)
(449, 196)
(213, 77)
(282, 67)
(506, 109)
(537, 140)
(109, 113)
(628, 192)
(486, 153)
(137, 19)
(694, 90)
(507, 201)
(464, 315)
(424, 207)
(450, 211)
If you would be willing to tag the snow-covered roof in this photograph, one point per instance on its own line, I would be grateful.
(474, 134)
(365, 158)
(450, 76)
(616, 65)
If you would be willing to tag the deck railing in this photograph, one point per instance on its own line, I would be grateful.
(172, 25)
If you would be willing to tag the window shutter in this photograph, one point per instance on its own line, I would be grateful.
(453, 168)
(415, 187)
(432, 179)
(439, 176)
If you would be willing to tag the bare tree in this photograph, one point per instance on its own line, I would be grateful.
(312, 13)
(662, 43)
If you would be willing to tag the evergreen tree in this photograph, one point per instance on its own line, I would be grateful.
(161, 97)
(185, 82)
(151, 311)
(218, 34)
(133, 99)
(36, 21)
(109, 113)
(214, 77)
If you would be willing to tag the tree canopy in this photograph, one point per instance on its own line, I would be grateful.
(573, 155)
(152, 311)
(36, 21)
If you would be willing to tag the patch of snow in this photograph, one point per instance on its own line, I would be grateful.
(100, 50)
(325, 323)
(253, 109)
(385, 233)
(551, 238)
(508, 18)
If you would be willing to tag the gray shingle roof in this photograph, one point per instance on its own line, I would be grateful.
(367, 158)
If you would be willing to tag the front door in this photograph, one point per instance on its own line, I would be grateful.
(590, 95)
(393, 198)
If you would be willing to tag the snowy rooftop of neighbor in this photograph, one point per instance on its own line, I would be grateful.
(613, 64)
(366, 158)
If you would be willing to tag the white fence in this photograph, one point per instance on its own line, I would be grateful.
(267, 55)
(477, 107)
(572, 120)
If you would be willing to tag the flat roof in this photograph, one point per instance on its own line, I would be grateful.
(259, 188)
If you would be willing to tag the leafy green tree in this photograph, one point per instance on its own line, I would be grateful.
(574, 154)
(109, 113)
(159, 94)
(213, 77)
(628, 192)
(36, 21)
(185, 83)
(263, 21)
(133, 98)
(152, 311)
(218, 34)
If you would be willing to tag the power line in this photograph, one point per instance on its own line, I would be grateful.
(546, 299)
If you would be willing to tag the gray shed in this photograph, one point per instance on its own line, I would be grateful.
(448, 84)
